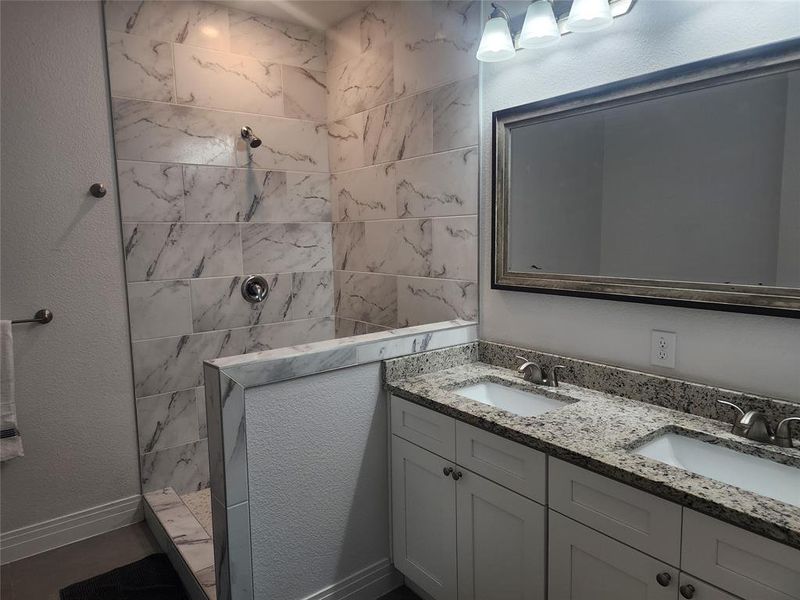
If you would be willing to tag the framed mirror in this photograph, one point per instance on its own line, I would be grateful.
(680, 187)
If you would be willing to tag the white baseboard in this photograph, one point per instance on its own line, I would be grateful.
(47, 535)
(369, 583)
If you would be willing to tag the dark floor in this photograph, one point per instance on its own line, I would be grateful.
(401, 593)
(41, 577)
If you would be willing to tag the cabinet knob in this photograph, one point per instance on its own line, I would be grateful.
(687, 591)
(663, 579)
(447, 471)
(457, 475)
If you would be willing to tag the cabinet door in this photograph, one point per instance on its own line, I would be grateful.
(424, 519)
(739, 561)
(501, 542)
(694, 589)
(587, 565)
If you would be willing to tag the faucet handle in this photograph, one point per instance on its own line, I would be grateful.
(783, 433)
(553, 376)
(530, 370)
(736, 428)
(732, 405)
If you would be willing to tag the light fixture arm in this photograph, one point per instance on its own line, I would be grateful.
(499, 11)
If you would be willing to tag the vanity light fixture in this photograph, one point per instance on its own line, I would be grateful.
(542, 27)
(496, 43)
(589, 15)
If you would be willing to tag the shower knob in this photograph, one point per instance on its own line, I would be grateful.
(98, 190)
(255, 289)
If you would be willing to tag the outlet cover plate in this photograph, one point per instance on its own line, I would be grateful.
(663, 347)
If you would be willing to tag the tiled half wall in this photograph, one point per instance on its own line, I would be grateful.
(388, 239)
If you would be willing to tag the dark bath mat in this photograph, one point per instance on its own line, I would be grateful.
(151, 578)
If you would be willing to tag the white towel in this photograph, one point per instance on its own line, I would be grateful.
(10, 440)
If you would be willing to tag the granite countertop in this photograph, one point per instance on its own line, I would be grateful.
(598, 432)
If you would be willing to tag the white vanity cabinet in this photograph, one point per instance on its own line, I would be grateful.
(479, 517)
(456, 534)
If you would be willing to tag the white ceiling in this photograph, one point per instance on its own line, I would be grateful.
(316, 14)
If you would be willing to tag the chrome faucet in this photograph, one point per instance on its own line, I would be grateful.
(753, 425)
(534, 373)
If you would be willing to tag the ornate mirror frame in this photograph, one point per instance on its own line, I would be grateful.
(766, 60)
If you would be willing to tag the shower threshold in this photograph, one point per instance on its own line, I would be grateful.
(182, 526)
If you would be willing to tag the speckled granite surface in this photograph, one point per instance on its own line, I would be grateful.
(685, 396)
(598, 431)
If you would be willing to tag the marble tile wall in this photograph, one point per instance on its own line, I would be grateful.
(200, 210)
(402, 132)
(359, 208)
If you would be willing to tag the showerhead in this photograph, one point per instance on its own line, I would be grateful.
(252, 139)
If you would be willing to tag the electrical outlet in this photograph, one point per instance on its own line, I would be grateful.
(662, 348)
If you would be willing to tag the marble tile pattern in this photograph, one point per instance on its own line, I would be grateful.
(402, 126)
(285, 43)
(338, 207)
(228, 81)
(368, 297)
(184, 468)
(167, 420)
(186, 521)
(159, 308)
(185, 77)
(193, 23)
(597, 429)
(177, 250)
(361, 83)
(150, 191)
(425, 300)
(305, 94)
(140, 68)
(287, 247)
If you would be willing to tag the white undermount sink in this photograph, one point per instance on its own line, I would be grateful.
(752, 473)
(513, 400)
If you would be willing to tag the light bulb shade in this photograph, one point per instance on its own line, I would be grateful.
(589, 15)
(540, 28)
(496, 43)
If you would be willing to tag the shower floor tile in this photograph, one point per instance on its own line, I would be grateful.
(187, 521)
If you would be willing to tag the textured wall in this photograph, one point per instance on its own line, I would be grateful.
(200, 209)
(317, 473)
(747, 352)
(61, 249)
(402, 111)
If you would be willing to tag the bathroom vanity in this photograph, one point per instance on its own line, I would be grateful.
(580, 498)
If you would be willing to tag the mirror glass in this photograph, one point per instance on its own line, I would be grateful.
(697, 186)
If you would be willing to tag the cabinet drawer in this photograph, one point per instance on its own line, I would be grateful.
(636, 518)
(424, 427)
(739, 561)
(512, 465)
